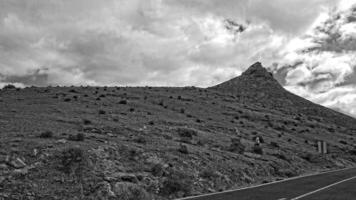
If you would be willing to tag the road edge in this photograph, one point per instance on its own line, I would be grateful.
(270, 183)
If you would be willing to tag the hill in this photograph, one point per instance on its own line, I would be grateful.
(160, 142)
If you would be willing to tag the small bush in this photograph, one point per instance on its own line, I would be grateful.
(343, 142)
(257, 150)
(182, 110)
(46, 134)
(87, 121)
(140, 139)
(124, 102)
(353, 152)
(274, 144)
(208, 173)
(73, 91)
(71, 159)
(183, 149)
(130, 191)
(77, 137)
(176, 182)
(67, 100)
(236, 146)
(9, 87)
(131, 109)
(157, 170)
(186, 132)
(102, 112)
(310, 157)
(281, 156)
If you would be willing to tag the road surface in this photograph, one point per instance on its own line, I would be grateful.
(335, 185)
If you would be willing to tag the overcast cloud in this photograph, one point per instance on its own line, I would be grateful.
(310, 45)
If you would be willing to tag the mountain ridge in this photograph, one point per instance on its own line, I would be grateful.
(161, 142)
(257, 85)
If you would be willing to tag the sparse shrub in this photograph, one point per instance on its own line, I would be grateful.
(186, 132)
(98, 99)
(236, 146)
(151, 123)
(176, 182)
(87, 121)
(102, 112)
(67, 100)
(289, 140)
(353, 152)
(189, 116)
(179, 97)
(183, 149)
(9, 87)
(281, 156)
(161, 103)
(287, 173)
(123, 101)
(208, 173)
(72, 158)
(46, 134)
(157, 170)
(343, 142)
(140, 139)
(102, 96)
(73, 91)
(257, 150)
(309, 157)
(132, 109)
(77, 137)
(331, 130)
(182, 110)
(130, 191)
(198, 120)
(274, 144)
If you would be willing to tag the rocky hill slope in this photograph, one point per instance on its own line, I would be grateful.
(163, 143)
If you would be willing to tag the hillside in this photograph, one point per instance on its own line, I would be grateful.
(160, 142)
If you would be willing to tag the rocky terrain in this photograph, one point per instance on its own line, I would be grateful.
(138, 143)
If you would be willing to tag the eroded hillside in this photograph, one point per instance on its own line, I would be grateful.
(162, 143)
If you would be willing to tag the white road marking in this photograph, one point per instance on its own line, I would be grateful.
(323, 188)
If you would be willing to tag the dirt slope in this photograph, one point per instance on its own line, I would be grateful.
(162, 143)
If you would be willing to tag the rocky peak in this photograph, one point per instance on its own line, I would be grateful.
(257, 70)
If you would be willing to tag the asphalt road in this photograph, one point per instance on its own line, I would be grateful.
(337, 185)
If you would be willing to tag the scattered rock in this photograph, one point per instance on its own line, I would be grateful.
(61, 141)
(17, 163)
(121, 176)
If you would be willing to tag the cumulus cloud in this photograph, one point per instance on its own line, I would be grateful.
(178, 42)
(321, 64)
(143, 42)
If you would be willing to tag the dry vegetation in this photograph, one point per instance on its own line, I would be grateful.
(162, 143)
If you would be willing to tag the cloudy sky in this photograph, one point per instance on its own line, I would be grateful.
(310, 45)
